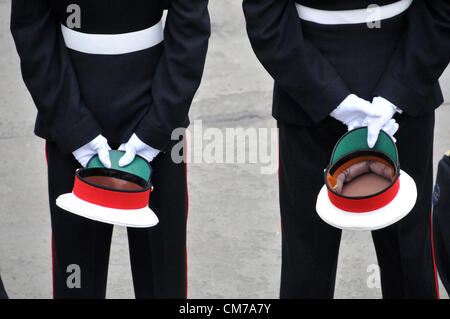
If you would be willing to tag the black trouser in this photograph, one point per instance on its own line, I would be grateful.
(157, 254)
(310, 246)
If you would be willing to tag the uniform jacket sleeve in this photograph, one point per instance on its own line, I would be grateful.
(296, 65)
(48, 74)
(420, 57)
(178, 73)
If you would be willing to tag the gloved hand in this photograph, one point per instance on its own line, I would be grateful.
(353, 111)
(136, 146)
(98, 145)
(375, 123)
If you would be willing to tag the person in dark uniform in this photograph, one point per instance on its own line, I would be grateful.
(338, 65)
(441, 220)
(107, 74)
(3, 294)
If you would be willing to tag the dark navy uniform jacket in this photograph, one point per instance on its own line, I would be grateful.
(80, 95)
(401, 61)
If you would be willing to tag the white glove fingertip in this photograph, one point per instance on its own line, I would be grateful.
(351, 126)
(149, 156)
(103, 156)
(395, 129)
(391, 128)
(82, 156)
(127, 158)
(83, 162)
(372, 136)
(123, 161)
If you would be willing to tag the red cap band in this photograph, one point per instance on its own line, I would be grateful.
(367, 204)
(110, 198)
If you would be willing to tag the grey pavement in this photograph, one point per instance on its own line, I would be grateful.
(234, 224)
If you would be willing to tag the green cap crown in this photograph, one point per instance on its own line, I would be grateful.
(138, 166)
(356, 140)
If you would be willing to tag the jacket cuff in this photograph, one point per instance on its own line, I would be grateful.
(400, 95)
(73, 138)
(153, 136)
(321, 104)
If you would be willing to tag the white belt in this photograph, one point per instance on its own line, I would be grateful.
(352, 16)
(113, 43)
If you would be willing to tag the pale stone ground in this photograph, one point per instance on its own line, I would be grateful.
(234, 226)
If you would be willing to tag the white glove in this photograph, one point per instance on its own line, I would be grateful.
(391, 128)
(353, 110)
(375, 123)
(136, 146)
(98, 145)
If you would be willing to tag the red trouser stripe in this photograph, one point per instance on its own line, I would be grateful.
(278, 170)
(187, 209)
(51, 238)
(434, 260)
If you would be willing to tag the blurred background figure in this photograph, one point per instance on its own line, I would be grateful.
(441, 220)
(3, 294)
